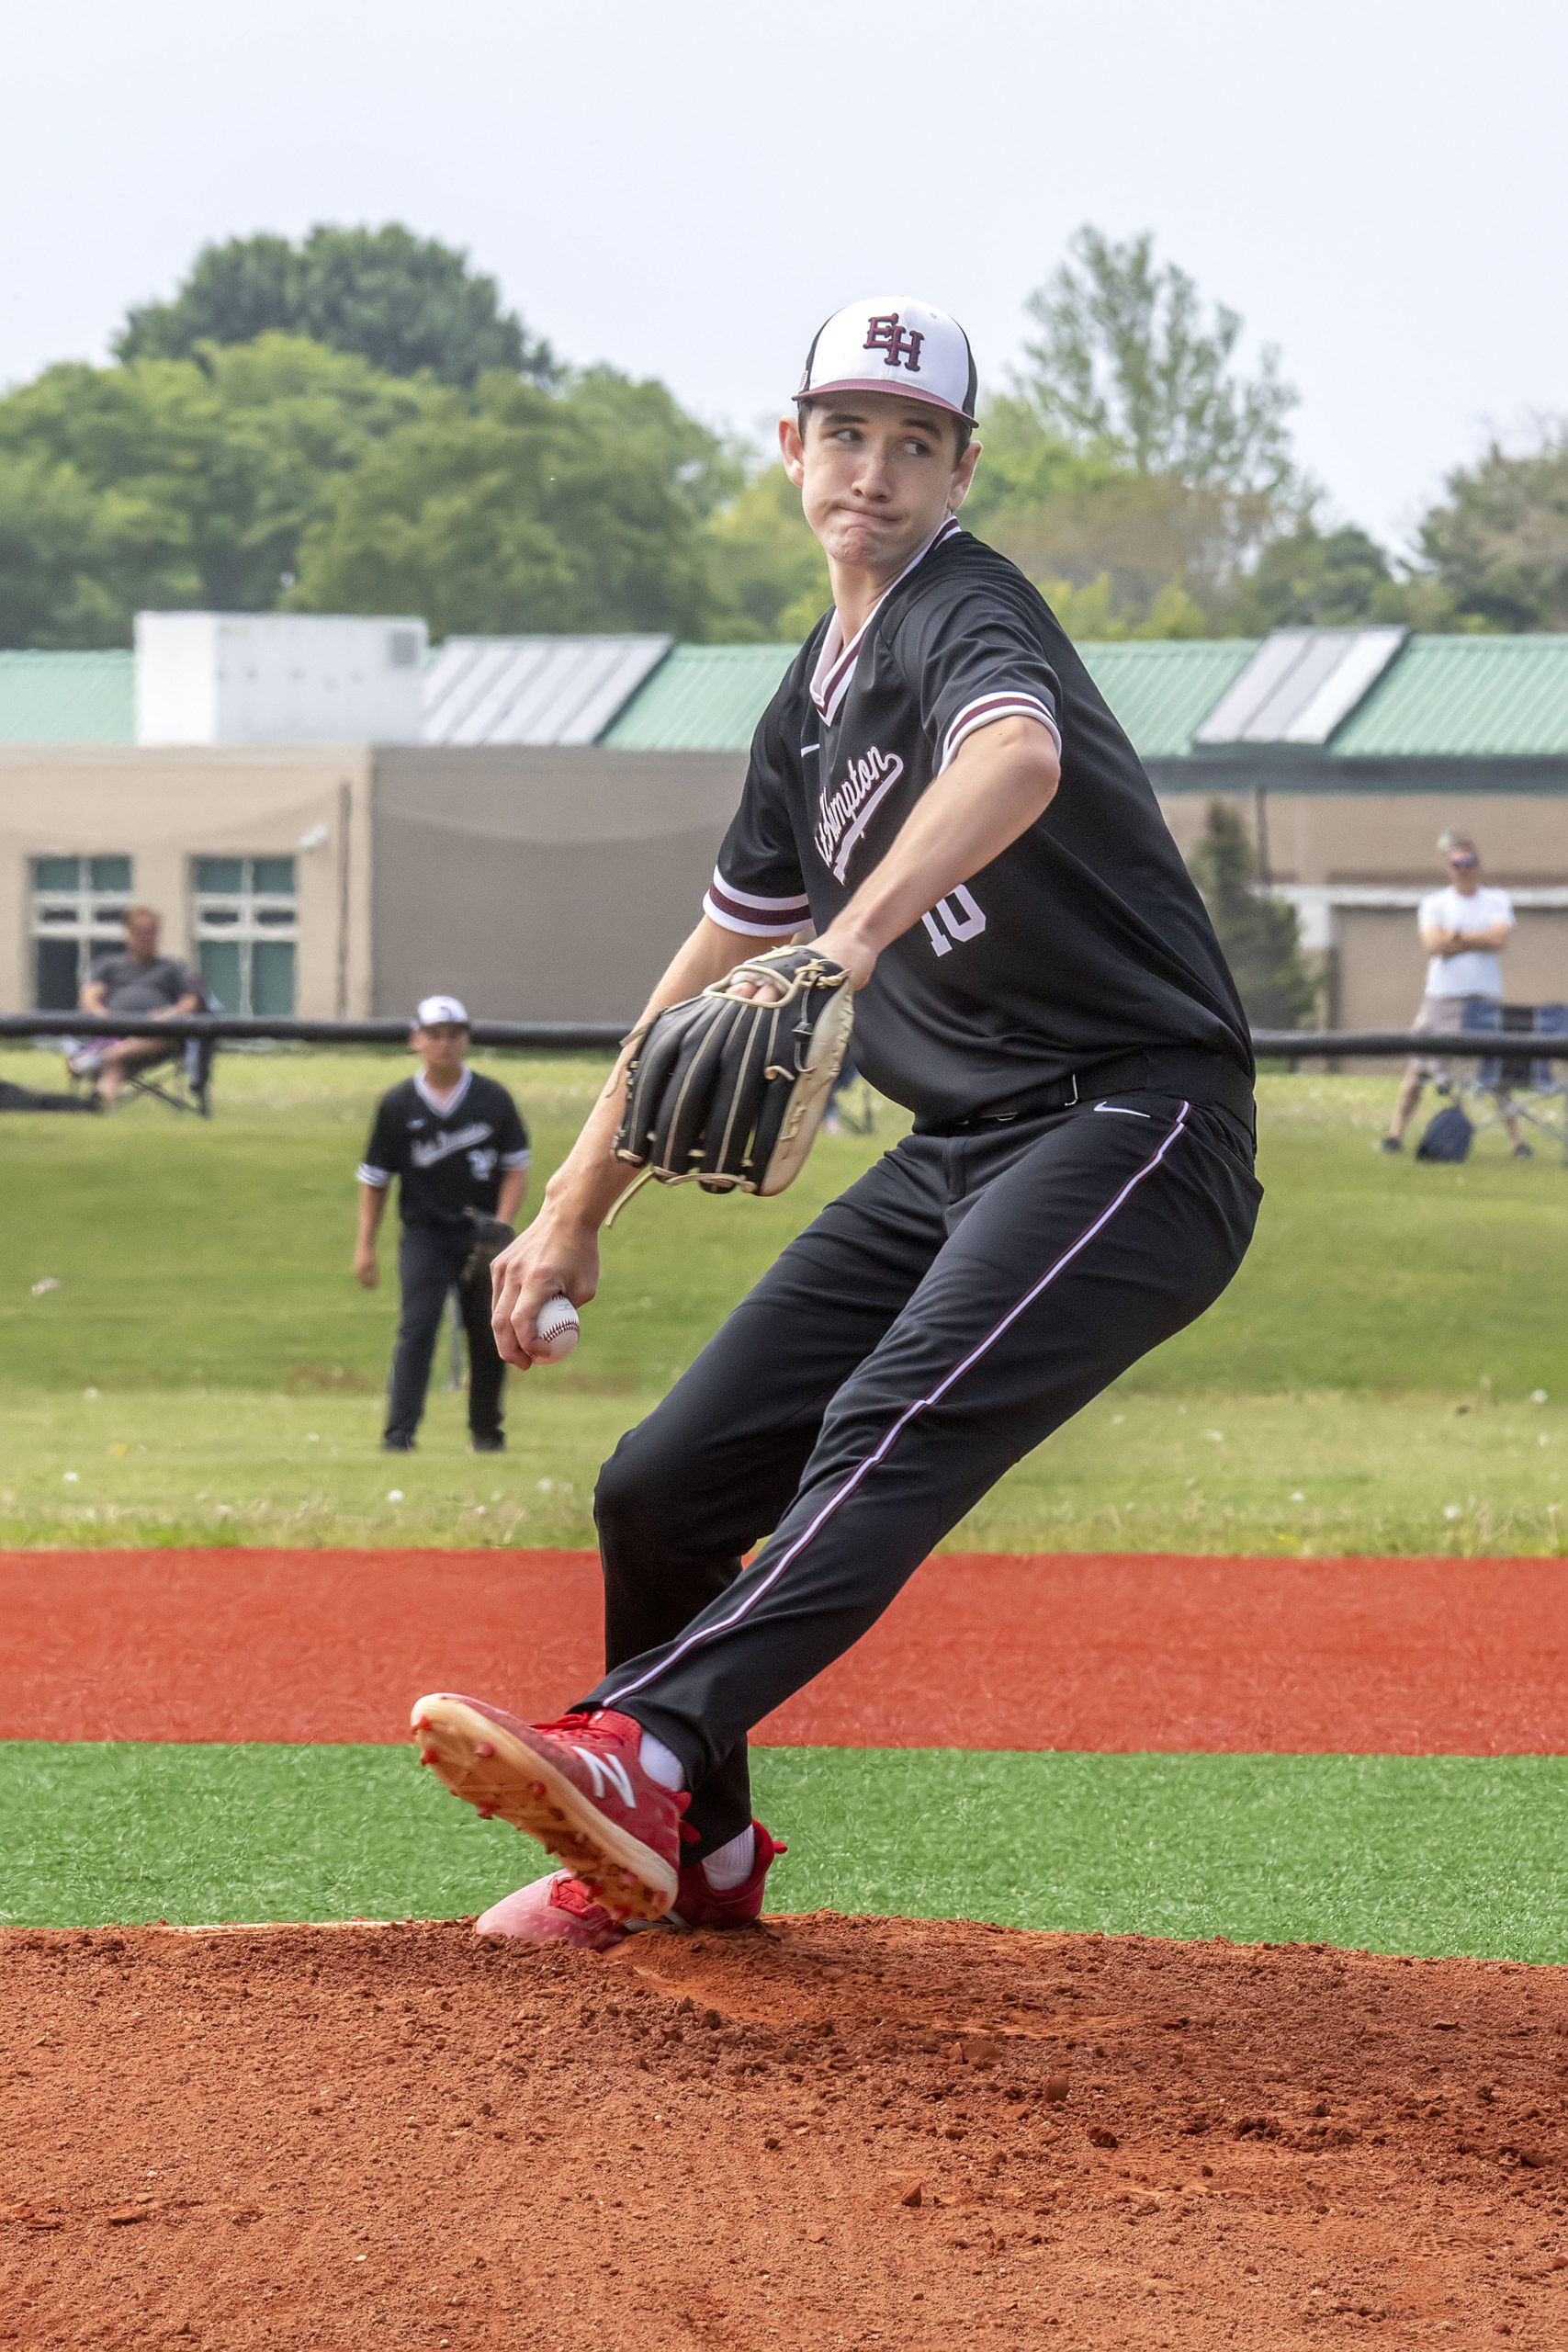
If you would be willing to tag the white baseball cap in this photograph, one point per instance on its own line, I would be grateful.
(432, 1009)
(892, 343)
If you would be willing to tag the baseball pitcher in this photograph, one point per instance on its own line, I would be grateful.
(938, 791)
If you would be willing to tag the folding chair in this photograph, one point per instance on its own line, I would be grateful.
(186, 1086)
(1534, 1090)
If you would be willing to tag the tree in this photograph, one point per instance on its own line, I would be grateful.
(404, 304)
(1127, 369)
(53, 557)
(278, 473)
(1340, 579)
(1132, 466)
(1096, 614)
(1499, 546)
(1313, 579)
(173, 484)
(1026, 465)
(524, 510)
(1259, 935)
(767, 564)
(1141, 542)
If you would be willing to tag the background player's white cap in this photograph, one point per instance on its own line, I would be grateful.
(432, 1009)
(891, 343)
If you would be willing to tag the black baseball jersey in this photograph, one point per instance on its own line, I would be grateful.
(1085, 939)
(447, 1161)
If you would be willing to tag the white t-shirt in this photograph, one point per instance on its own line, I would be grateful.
(1479, 972)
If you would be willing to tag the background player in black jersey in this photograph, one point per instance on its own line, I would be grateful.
(457, 1143)
(938, 789)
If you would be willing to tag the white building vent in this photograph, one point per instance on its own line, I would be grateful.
(278, 678)
(534, 690)
(1298, 687)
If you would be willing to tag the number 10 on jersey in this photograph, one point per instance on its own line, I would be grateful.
(953, 920)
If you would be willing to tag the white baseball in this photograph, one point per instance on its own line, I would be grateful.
(556, 1323)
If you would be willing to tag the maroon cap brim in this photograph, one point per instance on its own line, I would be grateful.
(894, 392)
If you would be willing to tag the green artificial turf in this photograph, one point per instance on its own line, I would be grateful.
(1396, 1854)
(207, 1371)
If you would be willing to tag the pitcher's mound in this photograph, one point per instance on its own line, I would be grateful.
(832, 2131)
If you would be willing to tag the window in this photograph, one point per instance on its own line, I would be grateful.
(246, 920)
(77, 903)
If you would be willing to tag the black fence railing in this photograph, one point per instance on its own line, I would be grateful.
(605, 1036)
(583, 1037)
(1347, 1044)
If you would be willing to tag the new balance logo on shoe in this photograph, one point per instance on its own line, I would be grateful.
(602, 1768)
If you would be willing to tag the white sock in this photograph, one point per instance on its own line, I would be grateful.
(662, 1764)
(731, 1865)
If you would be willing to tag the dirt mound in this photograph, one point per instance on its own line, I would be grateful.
(833, 2131)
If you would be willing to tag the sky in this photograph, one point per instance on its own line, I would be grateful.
(1377, 187)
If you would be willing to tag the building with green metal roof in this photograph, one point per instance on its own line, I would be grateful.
(68, 697)
(1465, 697)
(1161, 691)
(1496, 701)
(702, 698)
(1499, 705)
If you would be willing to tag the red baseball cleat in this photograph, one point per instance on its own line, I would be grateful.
(698, 1905)
(555, 1910)
(558, 1909)
(577, 1785)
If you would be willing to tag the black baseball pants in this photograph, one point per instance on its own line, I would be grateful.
(429, 1262)
(932, 1326)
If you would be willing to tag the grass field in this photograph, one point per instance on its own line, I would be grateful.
(1390, 1853)
(205, 1368)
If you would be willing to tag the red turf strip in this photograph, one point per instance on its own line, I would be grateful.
(1114, 1652)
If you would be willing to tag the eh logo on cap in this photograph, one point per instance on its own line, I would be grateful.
(886, 334)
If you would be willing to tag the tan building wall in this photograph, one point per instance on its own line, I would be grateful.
(163, 808)
(1355, 864)
(1393, 836)
(541, 885)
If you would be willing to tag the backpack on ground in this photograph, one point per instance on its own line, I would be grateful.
(1448, 1135)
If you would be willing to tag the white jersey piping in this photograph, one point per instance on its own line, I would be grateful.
(744, 911)
(1013, 703)
(443, 1110)
(836, 662)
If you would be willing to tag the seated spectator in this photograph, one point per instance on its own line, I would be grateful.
(141, 981)
(1464, 930)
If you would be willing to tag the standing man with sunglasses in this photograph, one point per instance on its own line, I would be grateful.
(1464, 929)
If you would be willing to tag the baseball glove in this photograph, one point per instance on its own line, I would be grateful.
(491, 1237)
(727, 1092)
